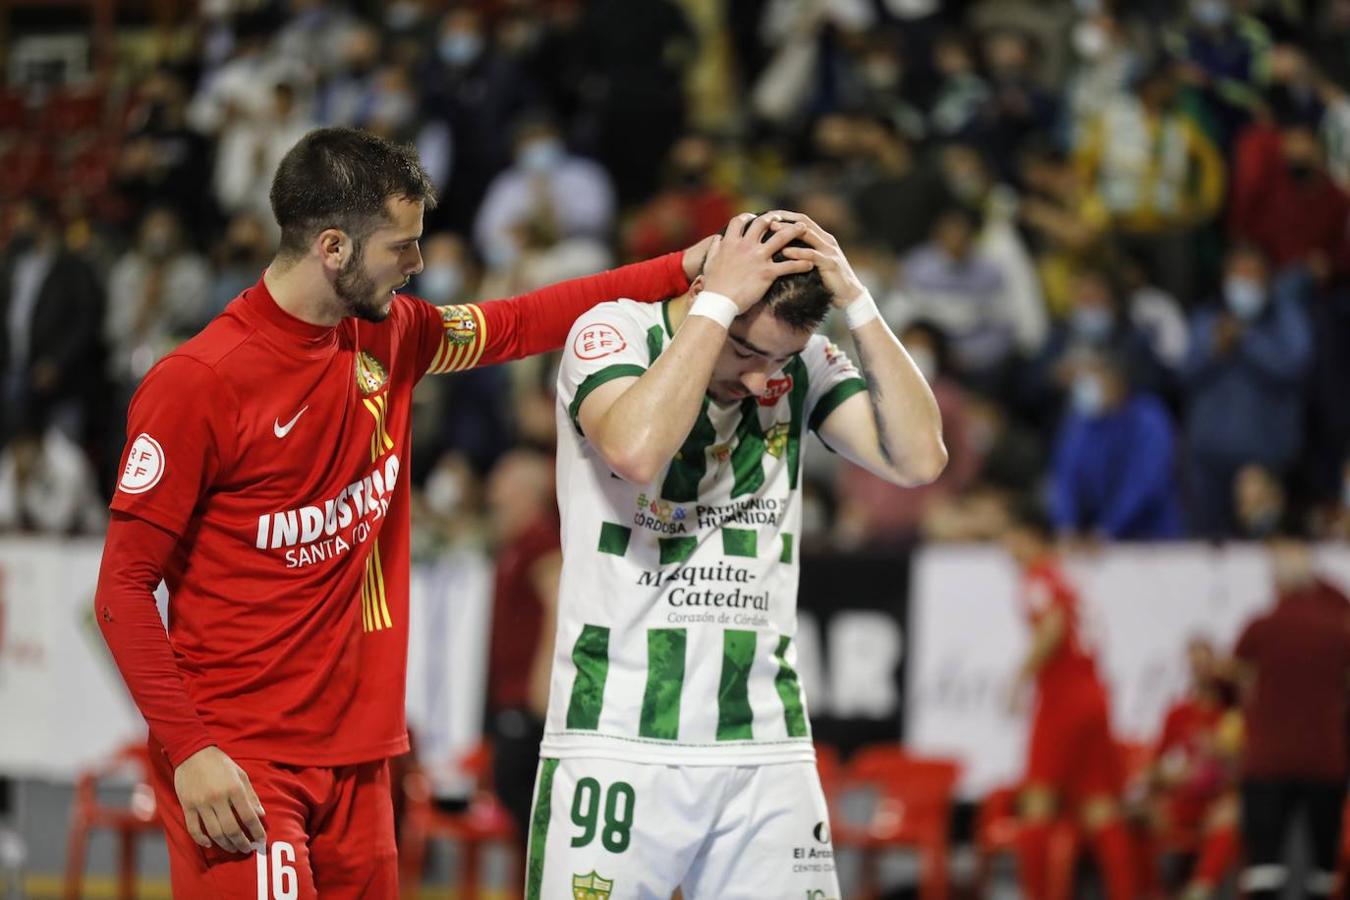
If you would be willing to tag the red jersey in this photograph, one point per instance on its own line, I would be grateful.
(1070, 666)
(1296, 712)
(277, 452)
(518, 614)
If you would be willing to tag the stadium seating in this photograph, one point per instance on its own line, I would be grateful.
(912, 810)
(128, 822)
(483, 822)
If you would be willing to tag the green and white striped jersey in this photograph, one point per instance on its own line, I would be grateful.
(678, 602)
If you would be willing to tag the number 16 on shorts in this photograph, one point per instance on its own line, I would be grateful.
(277, 878)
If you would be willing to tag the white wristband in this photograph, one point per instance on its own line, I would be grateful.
(861, 311)
(718, 307)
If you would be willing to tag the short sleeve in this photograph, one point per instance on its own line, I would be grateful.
(180, 433)
(606, 343)
(831, 379)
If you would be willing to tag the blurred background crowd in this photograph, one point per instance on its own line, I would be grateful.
(1113, 235)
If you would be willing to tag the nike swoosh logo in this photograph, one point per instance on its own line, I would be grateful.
(282, 430)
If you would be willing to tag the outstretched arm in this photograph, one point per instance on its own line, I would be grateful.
(480, 334)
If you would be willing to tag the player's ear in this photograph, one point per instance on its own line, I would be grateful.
(334, 248)
(696, 286)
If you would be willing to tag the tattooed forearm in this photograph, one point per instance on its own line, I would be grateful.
(874, 394)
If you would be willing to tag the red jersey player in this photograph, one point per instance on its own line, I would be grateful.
(1072, 760)
(265, 480)
(1193, 773)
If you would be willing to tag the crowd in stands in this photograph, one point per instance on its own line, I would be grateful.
(1115, 236)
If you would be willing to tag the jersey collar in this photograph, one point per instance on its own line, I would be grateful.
(306, 338)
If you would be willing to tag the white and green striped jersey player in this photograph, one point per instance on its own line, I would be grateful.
(677, 608)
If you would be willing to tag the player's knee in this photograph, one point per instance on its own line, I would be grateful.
(1098, 812)
(1037, 803)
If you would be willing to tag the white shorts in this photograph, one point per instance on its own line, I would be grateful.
(608, 830)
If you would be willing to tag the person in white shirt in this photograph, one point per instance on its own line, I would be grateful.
(550, 191)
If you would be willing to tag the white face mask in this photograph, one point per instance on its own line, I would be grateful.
(443, 492)
(1244, 296)
(1088, 396)
(541, 155)
(440, 282)
(1089, 40)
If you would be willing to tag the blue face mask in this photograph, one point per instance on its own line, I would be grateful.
(460, 48)
(440, 282)
(1211, 13)
(541, 155)
(1088, 396)
(1092, 323)
(1245, 297)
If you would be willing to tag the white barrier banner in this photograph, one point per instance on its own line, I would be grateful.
(63, 705)
(1141, 604)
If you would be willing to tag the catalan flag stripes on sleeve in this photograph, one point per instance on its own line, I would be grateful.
(464, 335)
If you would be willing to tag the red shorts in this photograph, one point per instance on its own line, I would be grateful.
(330, 833)
(1071, 748)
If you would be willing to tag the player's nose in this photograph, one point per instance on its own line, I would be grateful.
(755, 382)
(417, 261)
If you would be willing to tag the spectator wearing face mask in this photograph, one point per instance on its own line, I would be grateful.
(239, 260)
(1097, 321)
(449, 273)
(548, 191)
(1244, 375)
(51, 302)
(1285, 202)
(477, 91)
(1157, 174)
(1222, 52)
(158, 295)
(691, 204)
(952, 282)
(1113, 462)
(469, 415)
(47, 485)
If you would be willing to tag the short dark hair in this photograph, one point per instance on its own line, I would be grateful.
(800, 299)
(342, 178)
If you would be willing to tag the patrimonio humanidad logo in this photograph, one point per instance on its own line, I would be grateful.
(591, 887)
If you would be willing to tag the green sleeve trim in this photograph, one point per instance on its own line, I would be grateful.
(594, 380)
(830, 402)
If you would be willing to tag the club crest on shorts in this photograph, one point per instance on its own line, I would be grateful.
(591, 887)
(459, 323)
(370, 373)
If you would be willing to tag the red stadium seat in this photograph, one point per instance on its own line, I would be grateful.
(13, 111)
(28, 168)
(73, 111)
(483, 822)
(129, 822)
(997, 827)
(912, 810)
